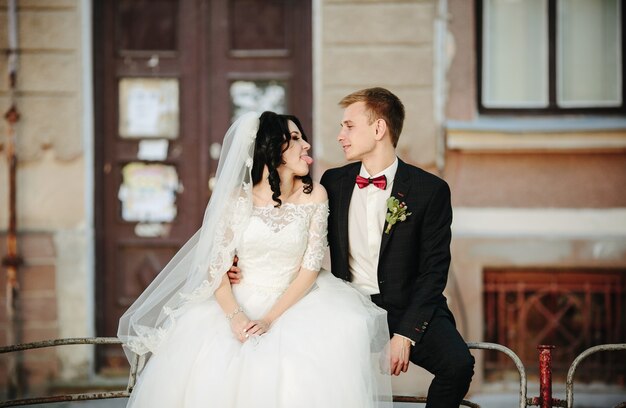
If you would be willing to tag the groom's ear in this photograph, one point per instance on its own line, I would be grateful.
(381, 129)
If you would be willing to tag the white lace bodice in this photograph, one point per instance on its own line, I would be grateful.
(278, 241)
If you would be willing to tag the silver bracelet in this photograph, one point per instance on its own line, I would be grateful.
(231, 315)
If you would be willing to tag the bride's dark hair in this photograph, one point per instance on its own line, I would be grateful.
(272, 140)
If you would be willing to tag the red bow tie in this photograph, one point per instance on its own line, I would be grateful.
(380, 181)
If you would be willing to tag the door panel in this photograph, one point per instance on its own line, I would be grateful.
(257, 42)
(152, 185)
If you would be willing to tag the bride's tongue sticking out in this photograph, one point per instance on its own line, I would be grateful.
(307, 159)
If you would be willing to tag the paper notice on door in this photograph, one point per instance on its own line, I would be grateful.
(148, 108)
(148, 192)
(153, 150)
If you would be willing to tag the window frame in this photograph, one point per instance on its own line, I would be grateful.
(552, 108)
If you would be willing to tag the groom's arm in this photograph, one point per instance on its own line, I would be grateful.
(434, 256)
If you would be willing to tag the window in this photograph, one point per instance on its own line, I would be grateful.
(550, 56)
(572, 309)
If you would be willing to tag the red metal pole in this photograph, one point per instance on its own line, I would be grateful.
(545, 375)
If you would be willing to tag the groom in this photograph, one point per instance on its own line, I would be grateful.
(402, 263)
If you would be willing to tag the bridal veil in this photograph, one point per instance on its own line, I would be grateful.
(198, 267)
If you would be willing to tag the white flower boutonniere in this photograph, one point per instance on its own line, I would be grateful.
(397, 212)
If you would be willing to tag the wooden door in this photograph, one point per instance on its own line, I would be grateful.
(170, 76)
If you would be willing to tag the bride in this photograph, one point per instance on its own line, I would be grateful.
(287, 335)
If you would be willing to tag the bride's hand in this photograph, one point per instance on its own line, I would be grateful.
(238, 325)
(256, 328)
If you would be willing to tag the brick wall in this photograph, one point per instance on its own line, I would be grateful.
(38, 308)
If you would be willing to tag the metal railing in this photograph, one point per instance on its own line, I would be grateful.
(132, 377)
(485, 346)
(569, 385)
(544, 400)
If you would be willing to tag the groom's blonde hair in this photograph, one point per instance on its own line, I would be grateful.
(381, 104)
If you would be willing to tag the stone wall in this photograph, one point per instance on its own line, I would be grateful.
(49, 78)
(55, 233)
(375, 43)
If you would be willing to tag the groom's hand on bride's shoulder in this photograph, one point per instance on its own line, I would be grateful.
(234, 273)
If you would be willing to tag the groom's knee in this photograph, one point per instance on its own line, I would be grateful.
(465, 368)
(458, 367)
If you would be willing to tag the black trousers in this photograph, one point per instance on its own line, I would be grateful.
(443, 352)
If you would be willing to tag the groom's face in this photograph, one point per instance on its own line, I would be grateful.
(357, 136)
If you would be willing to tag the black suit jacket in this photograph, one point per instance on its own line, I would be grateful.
(414, 257)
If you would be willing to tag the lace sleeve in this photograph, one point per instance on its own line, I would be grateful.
(316, 244)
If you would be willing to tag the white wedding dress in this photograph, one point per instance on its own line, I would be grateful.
(323, 352)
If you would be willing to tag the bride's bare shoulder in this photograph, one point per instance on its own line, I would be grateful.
(318, 195)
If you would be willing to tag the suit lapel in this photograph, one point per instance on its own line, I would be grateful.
(400, 189)
(346, 189)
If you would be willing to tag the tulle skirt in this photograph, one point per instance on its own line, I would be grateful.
(328, 350)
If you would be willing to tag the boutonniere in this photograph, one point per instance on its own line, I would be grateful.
(397, 212)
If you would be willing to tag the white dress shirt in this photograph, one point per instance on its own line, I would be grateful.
(366, 219)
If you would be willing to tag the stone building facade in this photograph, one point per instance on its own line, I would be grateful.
(531, 193)
(54, 193)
